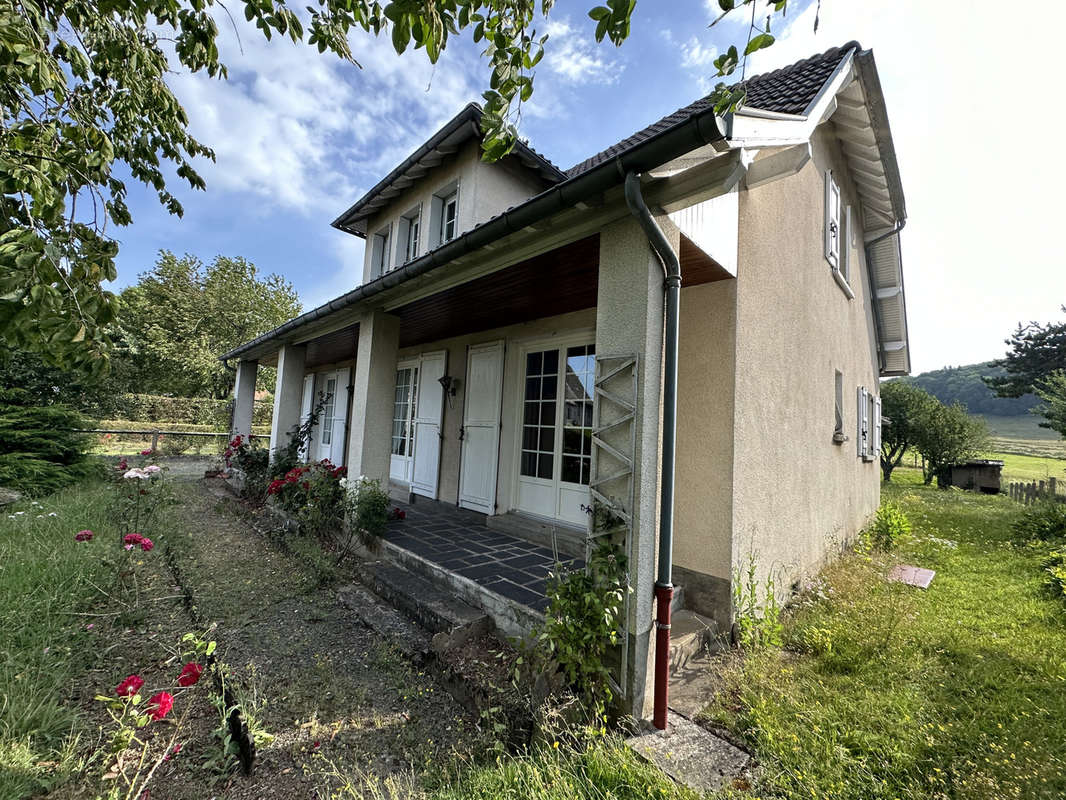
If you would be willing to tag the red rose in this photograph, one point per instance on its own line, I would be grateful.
(159, 705)
(190, 674)
(132, 538)
(147, 452)
(83, 536)
(147, 544)
(130, 686)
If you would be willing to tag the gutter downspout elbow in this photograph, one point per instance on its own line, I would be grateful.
(664, 587)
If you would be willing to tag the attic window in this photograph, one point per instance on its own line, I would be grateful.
(408, 234)
(379, 255)
(444, 215)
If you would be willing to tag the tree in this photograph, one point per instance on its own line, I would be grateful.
(84, 99)
(947, 435)
(1052, 390)
(181, 314)
(904, 406)
(1037, 352)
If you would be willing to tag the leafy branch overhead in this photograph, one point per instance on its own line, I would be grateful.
(84, 102)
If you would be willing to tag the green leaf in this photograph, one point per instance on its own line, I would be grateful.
(758, 42)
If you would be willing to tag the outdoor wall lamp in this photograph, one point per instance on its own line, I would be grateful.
(450, 384)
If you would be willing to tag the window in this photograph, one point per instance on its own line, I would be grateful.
(410, 228)
(832, 221)
(444, 215)
(869, 427)
(448, 219)
(328, 410)
(379, 254)
(538, 414)
(577, 414)
(406, 386)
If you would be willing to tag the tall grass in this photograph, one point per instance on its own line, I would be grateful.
(46, 582)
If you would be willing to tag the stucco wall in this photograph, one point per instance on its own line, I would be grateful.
(797, 496)
(704, 472)
(484, 191)
(541, 330)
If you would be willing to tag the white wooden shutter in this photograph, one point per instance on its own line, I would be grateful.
(845, 246)
(875, 451)
(863, 417)
(832, 221)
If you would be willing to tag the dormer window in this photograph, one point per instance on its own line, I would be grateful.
(379, 255)
(444, 215)
(410, 230)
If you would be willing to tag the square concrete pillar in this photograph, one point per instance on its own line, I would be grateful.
(244, 399)
(288, 394)
(370, 440)
(629, 320)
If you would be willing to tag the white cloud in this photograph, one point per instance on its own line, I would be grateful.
(573, 55)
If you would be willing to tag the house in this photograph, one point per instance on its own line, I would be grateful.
(506, 352)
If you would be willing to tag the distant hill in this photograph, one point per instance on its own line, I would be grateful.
(964, 384)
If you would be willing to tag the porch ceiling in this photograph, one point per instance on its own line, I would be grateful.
(557, 282)
(330, 348)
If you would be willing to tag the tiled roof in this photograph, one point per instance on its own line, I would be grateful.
(788, 90)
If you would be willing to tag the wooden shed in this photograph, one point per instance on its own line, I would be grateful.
(979, 475)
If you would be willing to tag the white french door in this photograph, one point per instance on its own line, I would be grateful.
(329, 433)
(481, 427)
(403, 433)
(307, 401)
(428, 416)
(555, 448)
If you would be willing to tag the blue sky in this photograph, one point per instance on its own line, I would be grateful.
(300, 136)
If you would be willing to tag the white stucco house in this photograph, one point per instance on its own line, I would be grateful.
(506, 351)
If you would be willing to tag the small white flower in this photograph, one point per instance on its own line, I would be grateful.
(53, 514)
(139, 474)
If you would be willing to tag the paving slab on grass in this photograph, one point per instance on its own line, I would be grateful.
(691, 755)
(911, 575)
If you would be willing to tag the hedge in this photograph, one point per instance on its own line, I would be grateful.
(150, 408)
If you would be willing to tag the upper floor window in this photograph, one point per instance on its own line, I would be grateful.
(410, 230)
(444, 215)
(449, 217)
(833, 233)
(379, 254)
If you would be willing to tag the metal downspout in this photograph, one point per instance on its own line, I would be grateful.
(664, 587)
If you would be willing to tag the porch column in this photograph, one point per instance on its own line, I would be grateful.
(629, 320)
(288, 394)
(369, 443)
(244, 399)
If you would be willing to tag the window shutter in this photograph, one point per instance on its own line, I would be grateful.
(876, 449)
(832, 221)
(863, 417)
(845, 245)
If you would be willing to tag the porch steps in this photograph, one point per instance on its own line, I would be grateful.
(570, 541)
(691, 635)
(435, 609)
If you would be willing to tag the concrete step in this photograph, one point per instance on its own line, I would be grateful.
(690, 635)
(408, 637)
(692, 755)
(570, 541)
(434, 608)
(694, 687)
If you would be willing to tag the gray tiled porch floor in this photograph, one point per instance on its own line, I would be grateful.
(459, 541)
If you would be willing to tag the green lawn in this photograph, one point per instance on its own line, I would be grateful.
(886, 691)
(1031, 468)
(46, 595)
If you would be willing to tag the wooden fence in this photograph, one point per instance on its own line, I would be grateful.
(156, 433)
(1035, 491)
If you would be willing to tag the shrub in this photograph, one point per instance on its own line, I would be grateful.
(1055, 573)
(583, 621)
(1045, 521)
(39, 451)
(889, 526)
(367, 512)
(253, 464)
(160, 408)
